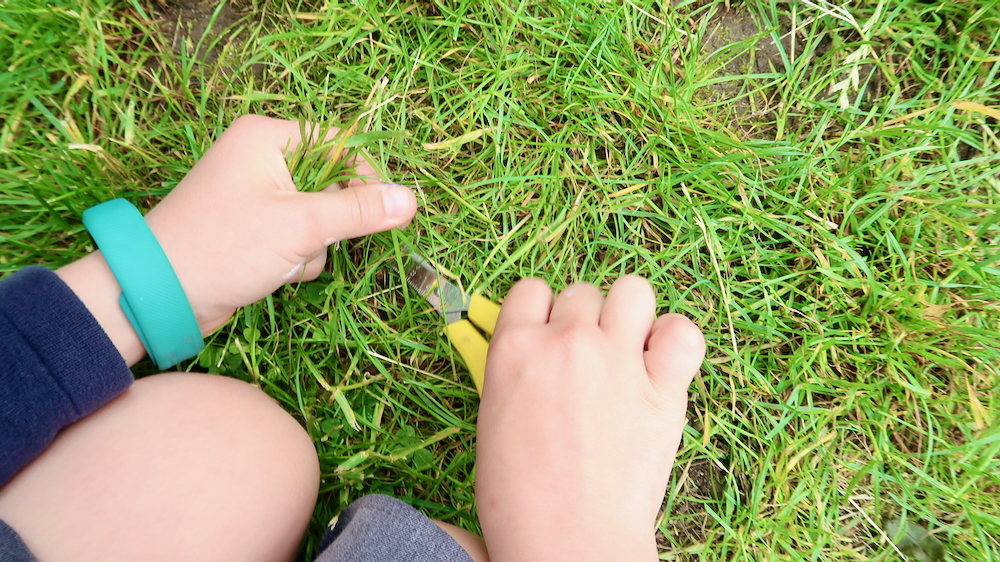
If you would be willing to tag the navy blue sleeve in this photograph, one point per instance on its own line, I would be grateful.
(56, 365)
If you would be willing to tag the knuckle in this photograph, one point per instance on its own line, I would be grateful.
(556, 348)
(513, 339)
(247, 122)
(246, 129)
(362, 208)
(530, 285)
(312, 219)
(575, 337)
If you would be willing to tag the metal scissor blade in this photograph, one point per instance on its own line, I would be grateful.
(444, 296)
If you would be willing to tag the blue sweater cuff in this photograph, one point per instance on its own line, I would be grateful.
(56, 365)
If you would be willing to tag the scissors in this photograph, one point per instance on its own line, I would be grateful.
(453, 302)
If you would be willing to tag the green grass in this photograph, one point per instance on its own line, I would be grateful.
(839, 252)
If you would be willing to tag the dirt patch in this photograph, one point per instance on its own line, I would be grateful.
(689, 523)
(185, 23)
(737, 44)
(734, 45)
(736, 32)
(698, 483)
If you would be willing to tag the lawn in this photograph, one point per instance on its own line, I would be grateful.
(816, 186)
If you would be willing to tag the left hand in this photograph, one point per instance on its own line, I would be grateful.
(236, 228)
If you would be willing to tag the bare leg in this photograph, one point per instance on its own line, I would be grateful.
(473, 544)
(180, 467)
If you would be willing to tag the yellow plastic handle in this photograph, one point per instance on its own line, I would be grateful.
(483, 312)
(472, 346)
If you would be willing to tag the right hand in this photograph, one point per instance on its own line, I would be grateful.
(581, 416)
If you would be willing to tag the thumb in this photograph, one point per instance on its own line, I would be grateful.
(359, 210)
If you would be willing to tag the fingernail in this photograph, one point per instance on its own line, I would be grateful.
(396, 199)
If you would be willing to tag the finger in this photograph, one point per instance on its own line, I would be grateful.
(366, 171)
(314, 266)
(673, 355)
(308, 269)
(527, 302)
(580, 302)
(629, 311)
(382, 186)
(356, 211)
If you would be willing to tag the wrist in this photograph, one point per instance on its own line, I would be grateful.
(152, 297)
(132, 289)
(557, 543)
(95, 285)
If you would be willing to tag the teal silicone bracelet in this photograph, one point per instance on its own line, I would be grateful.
(152, 297)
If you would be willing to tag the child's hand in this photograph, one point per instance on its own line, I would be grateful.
(235, 229)
(581, 416)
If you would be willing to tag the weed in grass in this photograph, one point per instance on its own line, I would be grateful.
(329, 153)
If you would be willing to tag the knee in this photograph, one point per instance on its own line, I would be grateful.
(233, 423)
(237, 455)
(180, 463)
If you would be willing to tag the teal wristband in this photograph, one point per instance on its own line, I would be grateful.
(152, 297)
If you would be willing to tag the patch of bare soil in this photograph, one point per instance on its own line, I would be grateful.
(739, 46)
(732, 27)
(185, 23)
(688, 523)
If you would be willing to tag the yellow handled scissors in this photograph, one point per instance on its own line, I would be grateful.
(453, 302)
